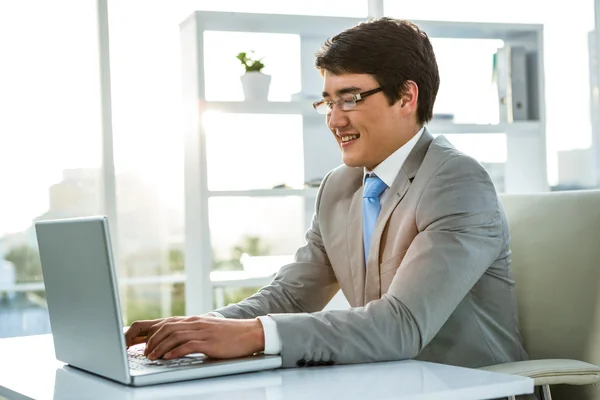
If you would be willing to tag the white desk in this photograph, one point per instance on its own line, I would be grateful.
(29, 370)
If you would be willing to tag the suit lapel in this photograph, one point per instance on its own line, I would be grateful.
(394, 196)
(355, 246)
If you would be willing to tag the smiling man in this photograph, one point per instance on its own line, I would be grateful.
(408, 227)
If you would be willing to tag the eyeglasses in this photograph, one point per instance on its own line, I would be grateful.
(345, 103)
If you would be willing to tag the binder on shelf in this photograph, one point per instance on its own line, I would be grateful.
(510, 71)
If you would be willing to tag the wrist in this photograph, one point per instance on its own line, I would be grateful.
(258, 335)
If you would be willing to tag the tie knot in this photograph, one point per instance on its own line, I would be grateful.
(374, 187)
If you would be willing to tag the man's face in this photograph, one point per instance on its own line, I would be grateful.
(371, 131)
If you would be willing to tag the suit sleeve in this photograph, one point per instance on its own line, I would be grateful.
(304, 286)
(460, 235)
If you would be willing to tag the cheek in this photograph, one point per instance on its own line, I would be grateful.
(377, 124)
(367, 125)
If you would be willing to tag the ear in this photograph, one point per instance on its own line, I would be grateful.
(410, 96)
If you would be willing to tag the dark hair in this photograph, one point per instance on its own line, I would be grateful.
(394, 52)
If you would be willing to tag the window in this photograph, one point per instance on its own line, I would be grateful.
(49, 142)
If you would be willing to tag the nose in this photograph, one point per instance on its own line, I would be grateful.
(337, 119)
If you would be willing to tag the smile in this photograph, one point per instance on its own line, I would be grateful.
(348, 138)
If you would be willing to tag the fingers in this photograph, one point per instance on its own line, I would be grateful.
(138, 329)
(154, 328)
(141, 331)
(193, 346)
(138, 340)
(166, 330)
(175, 340)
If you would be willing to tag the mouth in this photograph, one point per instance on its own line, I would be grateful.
(349, 138)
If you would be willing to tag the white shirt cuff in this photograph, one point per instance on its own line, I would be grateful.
(216, 314)
(272, 339)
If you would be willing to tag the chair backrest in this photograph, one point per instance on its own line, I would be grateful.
(555, 243)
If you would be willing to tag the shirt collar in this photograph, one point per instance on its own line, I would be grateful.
(389, 168)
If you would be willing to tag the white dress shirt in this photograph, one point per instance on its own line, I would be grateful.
(389, 168)
(386, 171)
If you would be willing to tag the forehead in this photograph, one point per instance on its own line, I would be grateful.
(334, 83)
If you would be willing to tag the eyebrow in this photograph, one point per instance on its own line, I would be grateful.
(342, 91)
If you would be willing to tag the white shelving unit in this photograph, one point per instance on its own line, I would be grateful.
(264, 107)
(526, 146)
(308, 193)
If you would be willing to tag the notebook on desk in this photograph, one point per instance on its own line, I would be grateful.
(85, 314)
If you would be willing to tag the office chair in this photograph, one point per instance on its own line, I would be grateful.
(555, 243)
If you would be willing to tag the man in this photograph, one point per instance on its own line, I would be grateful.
(409, 228)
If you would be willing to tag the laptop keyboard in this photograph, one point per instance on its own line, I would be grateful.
(137, 360)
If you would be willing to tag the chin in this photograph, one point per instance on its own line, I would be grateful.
(352, 163)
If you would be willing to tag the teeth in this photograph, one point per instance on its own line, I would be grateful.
(349, 138)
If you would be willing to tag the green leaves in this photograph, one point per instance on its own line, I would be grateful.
(249, 63)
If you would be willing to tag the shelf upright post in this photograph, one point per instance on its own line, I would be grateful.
(198, 251)
(594, 52)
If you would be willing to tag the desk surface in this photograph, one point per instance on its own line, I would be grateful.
(29, 370)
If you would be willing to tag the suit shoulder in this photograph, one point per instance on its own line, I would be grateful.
(338, 185)
(342, 180)
(442, 156)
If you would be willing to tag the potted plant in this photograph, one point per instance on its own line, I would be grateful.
(254, 82)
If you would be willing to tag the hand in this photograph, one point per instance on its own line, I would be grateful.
(215, 337)
(139, 331)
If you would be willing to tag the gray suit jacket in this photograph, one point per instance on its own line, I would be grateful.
(438, 284)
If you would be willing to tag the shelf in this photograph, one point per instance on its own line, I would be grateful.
(525, 145)
(305, 108)
(308, 192)
(321, 26)
(262, 107)
(447, 127)
(271, 23)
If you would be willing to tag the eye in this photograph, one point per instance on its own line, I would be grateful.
(348, 104)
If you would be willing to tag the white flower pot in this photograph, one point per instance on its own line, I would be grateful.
(256, 85)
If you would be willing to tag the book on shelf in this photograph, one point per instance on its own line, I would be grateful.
(510, 74)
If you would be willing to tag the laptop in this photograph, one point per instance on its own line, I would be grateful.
(85, 314)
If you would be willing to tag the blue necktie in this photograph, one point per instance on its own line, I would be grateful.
(374, 187)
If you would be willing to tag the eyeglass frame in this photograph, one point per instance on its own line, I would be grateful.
(355, 98)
